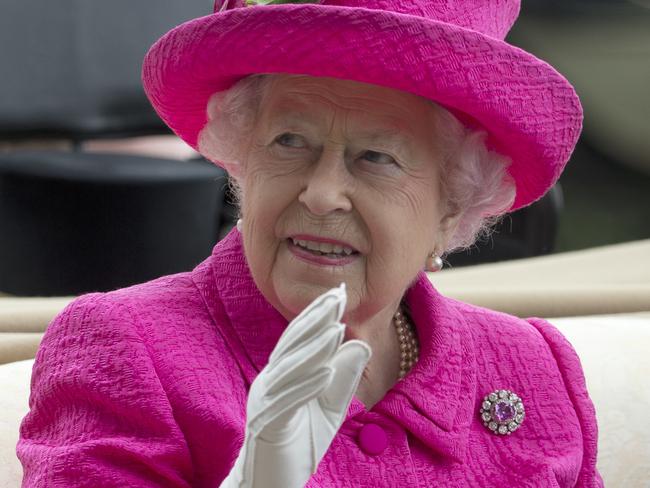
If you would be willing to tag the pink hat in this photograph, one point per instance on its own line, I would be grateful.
(449, 51)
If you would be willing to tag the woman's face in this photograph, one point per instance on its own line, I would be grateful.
(340, 184)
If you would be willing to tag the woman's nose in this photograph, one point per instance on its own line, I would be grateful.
(326, 186)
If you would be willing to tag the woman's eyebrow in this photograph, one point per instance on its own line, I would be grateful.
(385, 137)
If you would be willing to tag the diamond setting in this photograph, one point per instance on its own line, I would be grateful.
(502, 412)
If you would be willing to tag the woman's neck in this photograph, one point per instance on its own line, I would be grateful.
(382, 371)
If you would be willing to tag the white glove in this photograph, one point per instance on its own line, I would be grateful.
(299, 400)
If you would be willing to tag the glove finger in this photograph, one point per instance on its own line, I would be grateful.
(276, 415)
(312, 355)
(348, 364)
(327, 308)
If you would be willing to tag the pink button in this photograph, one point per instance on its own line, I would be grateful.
(372, 439)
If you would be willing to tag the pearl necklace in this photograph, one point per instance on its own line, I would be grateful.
(408, 343)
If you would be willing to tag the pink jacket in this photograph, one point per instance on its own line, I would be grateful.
(146, 387)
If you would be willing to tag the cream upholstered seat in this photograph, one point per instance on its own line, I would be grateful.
(614, 354)
(600, 280)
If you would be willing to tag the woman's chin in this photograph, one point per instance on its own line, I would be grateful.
(294, 295)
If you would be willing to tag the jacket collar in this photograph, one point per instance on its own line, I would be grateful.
(435, 401)
(252, 326)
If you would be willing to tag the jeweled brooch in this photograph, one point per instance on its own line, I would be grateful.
(502, 411)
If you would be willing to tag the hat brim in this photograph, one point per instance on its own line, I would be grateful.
(530, 112)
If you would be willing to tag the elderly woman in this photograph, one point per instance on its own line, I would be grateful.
(364, 140)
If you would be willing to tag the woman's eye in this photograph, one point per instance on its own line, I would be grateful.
(378, 157)
(290, 140)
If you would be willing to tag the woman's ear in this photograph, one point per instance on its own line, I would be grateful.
(446, 230)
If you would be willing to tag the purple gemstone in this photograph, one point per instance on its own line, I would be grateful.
(503, 412)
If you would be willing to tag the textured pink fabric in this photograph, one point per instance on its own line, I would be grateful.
(449, 51)
(146, 387)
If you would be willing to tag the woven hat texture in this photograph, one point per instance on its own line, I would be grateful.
(449, 51)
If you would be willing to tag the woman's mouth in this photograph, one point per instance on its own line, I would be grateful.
(322, 252)
(323, 248)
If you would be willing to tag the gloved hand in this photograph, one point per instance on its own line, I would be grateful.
(299, 400)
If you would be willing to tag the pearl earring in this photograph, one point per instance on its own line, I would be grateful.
(240, 224)
(433, 263)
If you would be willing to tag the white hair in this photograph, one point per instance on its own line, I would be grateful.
(475, 183)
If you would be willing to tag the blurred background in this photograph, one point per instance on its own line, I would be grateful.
(96, 194)
(603, 48)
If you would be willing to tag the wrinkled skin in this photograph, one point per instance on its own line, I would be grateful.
(352, 162)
